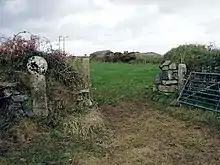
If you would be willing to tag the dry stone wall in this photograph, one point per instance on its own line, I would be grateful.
(13, 104)
(167, 79)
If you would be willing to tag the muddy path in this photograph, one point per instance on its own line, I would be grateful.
(141, 134)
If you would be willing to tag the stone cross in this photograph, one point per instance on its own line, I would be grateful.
(37, 66)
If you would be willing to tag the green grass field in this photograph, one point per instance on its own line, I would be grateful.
(112, 82)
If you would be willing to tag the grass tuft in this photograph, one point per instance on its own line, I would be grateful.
(84, 126)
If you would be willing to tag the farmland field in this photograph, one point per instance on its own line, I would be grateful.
(140, 133)
(116, 81)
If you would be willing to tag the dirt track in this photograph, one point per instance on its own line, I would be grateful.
(144, 135)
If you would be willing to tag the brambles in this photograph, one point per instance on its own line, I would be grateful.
(16, 51)
(196, 57)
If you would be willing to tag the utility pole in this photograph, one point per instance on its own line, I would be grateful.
(59, 42)
(64, 43)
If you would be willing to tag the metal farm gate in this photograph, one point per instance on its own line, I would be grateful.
(201, 90)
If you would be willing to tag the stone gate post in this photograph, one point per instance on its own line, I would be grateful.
(181, 76)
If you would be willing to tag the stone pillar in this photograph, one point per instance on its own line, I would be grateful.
(181, 76)
(86, 71)
(37, 66)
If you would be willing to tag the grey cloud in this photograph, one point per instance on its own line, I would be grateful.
(170, 6)
(164, 5)
(212, 26)
(142, 20)
(34, 10)
(77, 32)
(49, 10)
(136, 23)
(43, 16)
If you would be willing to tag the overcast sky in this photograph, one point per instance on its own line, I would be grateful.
(118, 25)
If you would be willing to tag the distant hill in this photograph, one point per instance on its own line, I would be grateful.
(138, 54)
(100, 54)
(108, 55)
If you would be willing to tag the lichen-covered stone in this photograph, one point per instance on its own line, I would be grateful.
(37, 65)
(169, 82)
(170, 74)
(4, 85)
(165, 68)
(38, 91)
(182, 70)
(173, 66)
(167, 89)
(19, 98)
(10, 92)
(165, 63)
(7, 93)
(217, 69)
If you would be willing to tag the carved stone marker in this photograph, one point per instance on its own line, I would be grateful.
(37, 66)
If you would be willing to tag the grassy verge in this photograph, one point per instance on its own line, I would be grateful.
(34, 144)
